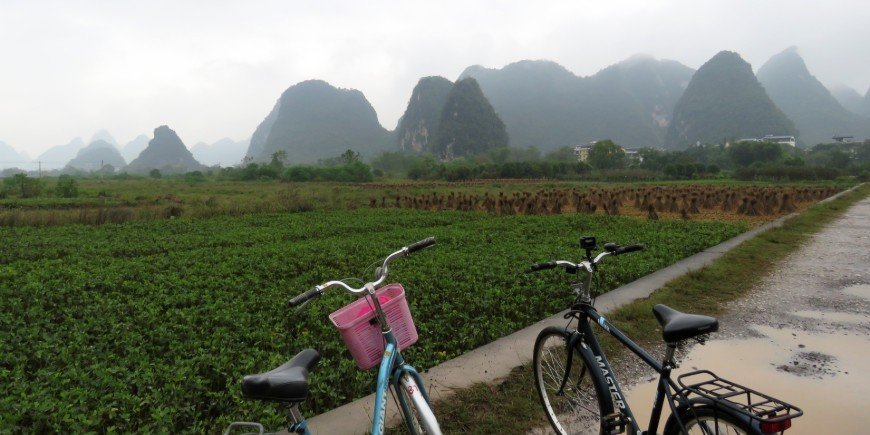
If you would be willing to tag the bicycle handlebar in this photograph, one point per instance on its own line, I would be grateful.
(422, 244)
(305, 297)
(541, 266)
(629, 248)
(587, 265)
(380, 275)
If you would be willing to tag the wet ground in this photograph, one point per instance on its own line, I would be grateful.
(802, 336)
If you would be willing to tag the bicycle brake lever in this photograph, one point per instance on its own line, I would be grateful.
(301, 306)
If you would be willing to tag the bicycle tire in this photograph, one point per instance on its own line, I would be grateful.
(586, 397)
(707, 420)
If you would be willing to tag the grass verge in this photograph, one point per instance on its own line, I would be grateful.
(512, 406)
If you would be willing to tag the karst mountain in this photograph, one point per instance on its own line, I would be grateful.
(725, 101)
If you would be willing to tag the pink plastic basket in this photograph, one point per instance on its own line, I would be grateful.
(362, 334)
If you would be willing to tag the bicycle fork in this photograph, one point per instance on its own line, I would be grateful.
(407, 381)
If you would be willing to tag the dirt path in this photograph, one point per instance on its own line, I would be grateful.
(803, 334)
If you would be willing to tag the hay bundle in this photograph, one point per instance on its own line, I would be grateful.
(651, 213)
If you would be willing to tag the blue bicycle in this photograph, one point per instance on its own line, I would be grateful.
(365, 326)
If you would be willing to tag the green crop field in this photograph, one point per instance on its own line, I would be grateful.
(149, 326)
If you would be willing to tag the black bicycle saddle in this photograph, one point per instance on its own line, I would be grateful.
(677, 326)
(287, 383)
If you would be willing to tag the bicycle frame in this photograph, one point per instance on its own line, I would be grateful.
(585, 312)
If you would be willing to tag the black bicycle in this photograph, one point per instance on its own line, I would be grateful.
(580, 393)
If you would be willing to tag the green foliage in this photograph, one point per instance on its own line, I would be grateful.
(607, 155)
(469, 125)
(22, 186)
(278, 159)
(747, 153)
(194, 177)
(563, 154)
(66, 187)
(155, 173)
(149, 327)
(786, 173)
(355, 172)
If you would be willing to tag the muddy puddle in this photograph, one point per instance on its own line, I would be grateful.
(860, 290)
(827, 375)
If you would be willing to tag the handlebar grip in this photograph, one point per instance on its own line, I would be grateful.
(629, 248)
(422, 244)
(541, 266)
(304, 297)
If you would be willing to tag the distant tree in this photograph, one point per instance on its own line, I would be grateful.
(607, 155)
(155, 173)
(107, 169)
(747, 153)
(278, 159)
(564, 154)
(66, 187)
(25, 186)
(349, 156)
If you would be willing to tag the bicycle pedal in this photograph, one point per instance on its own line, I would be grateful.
(615, 423)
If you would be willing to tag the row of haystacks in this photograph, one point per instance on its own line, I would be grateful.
(649, 200)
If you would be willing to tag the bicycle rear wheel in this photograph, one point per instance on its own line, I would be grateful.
(577, 406)
(707, 421)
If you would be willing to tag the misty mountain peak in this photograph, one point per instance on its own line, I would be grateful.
(423, 114)
(315, 120)
(166, 152)
(724, 100)
(96, 155)
(816, 112)
(104, 136)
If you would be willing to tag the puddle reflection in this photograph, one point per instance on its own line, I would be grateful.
(826, 375)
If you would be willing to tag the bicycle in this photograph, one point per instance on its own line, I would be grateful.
(365, 327)
(701, 403)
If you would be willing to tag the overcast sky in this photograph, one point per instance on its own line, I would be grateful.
(214, 69)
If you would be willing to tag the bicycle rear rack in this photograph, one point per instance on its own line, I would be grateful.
(746, 401)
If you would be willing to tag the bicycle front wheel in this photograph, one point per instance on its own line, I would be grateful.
(575, 404)
(419, 418)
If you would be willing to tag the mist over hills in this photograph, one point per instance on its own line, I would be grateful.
(816, 113)
(166, 152)
(724, 100)
(133, 148)
(95, 156)
(851, 100)
(104, 136)
(10, 158)
(545, 105)
(416, 128)
(258, 139)
(225, 152)
(314, 120)
(641, 101)
(58, 156)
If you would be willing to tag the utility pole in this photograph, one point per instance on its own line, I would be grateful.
(40, 168)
